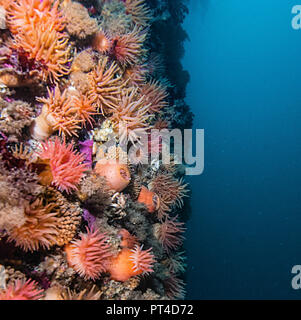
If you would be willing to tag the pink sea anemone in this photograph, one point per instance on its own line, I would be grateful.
(169, 233)
(142, 259)
(88, 255)
(65, 165)
(20, 290)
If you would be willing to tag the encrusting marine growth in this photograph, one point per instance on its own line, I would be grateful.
(88, 210)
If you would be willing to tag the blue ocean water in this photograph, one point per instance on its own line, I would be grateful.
(244, 236)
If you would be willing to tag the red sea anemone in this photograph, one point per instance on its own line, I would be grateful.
(170, 191)
(169, 233)
(130, 263)
(89, 255)
(65, 165)
(20, 290)
(127, 48)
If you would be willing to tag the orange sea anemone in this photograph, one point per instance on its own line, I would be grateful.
(63, 113)
(149, 199)
(105, 85)
(40, 227)
(47, 49)
(117, 174)
(21, 290)
(64, 165)
(154, 95)
(169, 233)
(37, 38)
(170, 191)
(22, 14)
(129, 263)
(128, 48)
(130, 116)
(89, 255)
(140, 13)
(84, 109)
(102, 42)
(127, 240)
(6, 3)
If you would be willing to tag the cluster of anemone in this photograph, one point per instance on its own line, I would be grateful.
(91, 255)
(38, 37)
(63, 112)
(114, 85)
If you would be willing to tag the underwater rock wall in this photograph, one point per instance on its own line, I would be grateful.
(79, 83)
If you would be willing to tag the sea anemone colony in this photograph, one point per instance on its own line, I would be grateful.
(86, 210)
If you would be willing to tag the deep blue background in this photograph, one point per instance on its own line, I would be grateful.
(244, 236)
